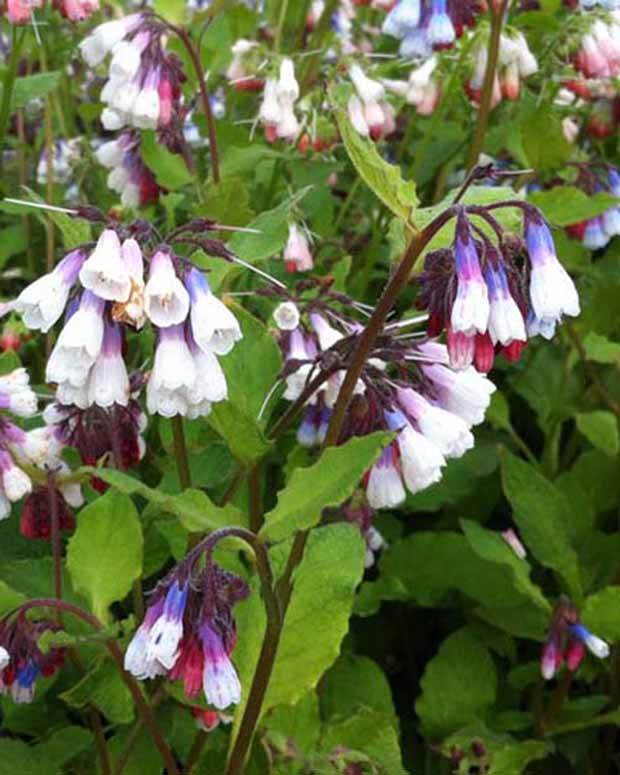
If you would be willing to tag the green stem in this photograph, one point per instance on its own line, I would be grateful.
(497, 22)
(17, 38)
(180, 452)
(279, 29)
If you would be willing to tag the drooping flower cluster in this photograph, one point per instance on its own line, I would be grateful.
(17, 397)
(110, 434)
(599, 54)
(406, 386)
(424, 26)
(369, 112)
(516, 62)
(567, 641)
(421, 89)
(21, 660)
(87, 364)
(129, 176)
(277, 113)
(595, 233)
(240, 72)
(490, 297)
(144, 85)
(38, 448)
(21, 11)
(188, 633)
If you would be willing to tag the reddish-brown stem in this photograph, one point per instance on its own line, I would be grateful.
(144, 709)
(373, 328)
(486, 98)
(55, 535)
(558, 698)
(284, 587)
(194, 55)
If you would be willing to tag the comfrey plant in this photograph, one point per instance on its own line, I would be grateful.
(368, 406)
(489, 295)
(104, 292)
(188, 632)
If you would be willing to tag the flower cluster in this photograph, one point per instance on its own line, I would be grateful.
(20, 11)
(239, 72)
(40, 449)
(490, 297)
(277, 113)
(112, 434)
(599, 52)
(87, 364)
(21, 660)
(17, 397)
(424, 26)
(567, 641)
(144, 85)
(189, 633)
(596, 232)
(128, 176)
(368, 110)
(516, 62)
(421, 89)
(407, 387)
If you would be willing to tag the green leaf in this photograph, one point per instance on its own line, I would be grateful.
(600, 349)
(171, 10)
(316, 620)
(300, 723)
(601, 430)
(564, 205)
(32, 87)
(491, 547)
(505, 754)
(103, 687)
(170, 169)
(251, 371)
(104, 555)
(9, 598)
(371, 733)
(540, 511)
(355, 681)
(13, 240)
(272, 226)
(601, 613)
(543, 139)
(446, 568)
(194, 508)
(62, 746)
(382, 178)
(329, 482)
(458, 685)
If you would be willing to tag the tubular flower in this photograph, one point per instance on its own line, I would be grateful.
(21, 660)
(276, 113)
(567, 641)
(406, 386)
(144, 85)
(489, 298)
(194, 328)
(188, 632)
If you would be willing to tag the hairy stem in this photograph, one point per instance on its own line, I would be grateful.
(284, 587)
(194, 55)
(144, 709)
(373, 328)
(486, 98)
(180, 452)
